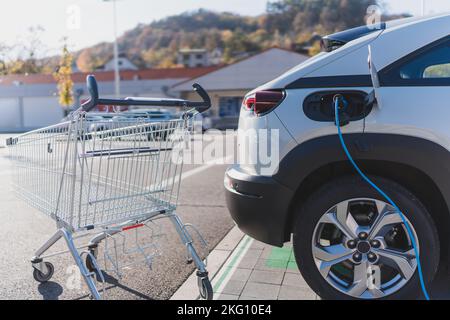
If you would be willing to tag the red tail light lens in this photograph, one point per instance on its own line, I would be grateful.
(263, 102)
(249, 102)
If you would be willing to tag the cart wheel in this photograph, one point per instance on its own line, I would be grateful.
(205, 287)
(41, 277)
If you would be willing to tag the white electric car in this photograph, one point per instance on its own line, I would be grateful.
(348, 241)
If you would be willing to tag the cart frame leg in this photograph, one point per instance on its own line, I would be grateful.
(204, 284)
(64, 233)
(188, 242)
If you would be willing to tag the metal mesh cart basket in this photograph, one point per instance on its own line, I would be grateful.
(99, 178)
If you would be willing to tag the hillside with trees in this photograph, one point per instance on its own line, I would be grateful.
(286, 24)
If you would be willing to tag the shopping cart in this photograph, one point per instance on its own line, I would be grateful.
(102, 178)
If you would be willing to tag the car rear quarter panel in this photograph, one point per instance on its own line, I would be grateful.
(265, 130)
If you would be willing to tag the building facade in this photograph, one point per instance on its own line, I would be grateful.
(193, 58)
(228, 85)
(123, 62)
(30, 102)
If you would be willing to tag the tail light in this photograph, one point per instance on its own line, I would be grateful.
(263, 102)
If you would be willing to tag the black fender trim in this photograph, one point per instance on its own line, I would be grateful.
(421, 154)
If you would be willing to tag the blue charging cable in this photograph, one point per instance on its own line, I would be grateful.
(408, 229)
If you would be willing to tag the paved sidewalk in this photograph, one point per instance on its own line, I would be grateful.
(259, 271)
(243, 268)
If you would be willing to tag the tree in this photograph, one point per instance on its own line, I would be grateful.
(63, 76)
(84, 61)
(287, 24)
(315, 49)
(29, 49)
(305, 15)
(4, 58)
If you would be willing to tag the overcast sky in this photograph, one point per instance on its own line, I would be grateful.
(87, 22)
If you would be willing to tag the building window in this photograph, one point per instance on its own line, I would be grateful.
(199, 56)
(229, 106)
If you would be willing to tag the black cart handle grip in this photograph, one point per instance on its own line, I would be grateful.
(93, 92)
(205, 97)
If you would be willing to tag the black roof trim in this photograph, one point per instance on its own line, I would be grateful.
(338, 39)
(355, 33)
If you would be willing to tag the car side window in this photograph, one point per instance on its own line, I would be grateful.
(429, 66)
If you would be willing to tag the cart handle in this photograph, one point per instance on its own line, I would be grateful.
(94, 100)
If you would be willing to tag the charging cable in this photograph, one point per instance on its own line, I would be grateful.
(340, 99)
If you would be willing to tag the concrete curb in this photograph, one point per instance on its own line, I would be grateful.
(216, 259)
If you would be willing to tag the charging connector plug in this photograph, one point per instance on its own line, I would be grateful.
(344, 117)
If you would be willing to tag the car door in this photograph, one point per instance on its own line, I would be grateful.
(413, 94)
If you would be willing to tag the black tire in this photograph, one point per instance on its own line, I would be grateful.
(351, 187)
(205, 288)
(41, 277)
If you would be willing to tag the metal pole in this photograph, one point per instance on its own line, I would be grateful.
(116, 53)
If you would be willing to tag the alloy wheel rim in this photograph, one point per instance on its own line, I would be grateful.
(361, 247)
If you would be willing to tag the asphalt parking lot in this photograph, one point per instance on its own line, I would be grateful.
(23, 229)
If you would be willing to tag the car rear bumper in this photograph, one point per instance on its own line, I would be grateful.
(259, 205)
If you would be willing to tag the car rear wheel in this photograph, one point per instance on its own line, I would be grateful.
(350, 243)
